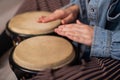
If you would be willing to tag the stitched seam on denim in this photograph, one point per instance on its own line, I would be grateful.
(97, 15)
(94, 16)
(108, 47)
(111, 18)
(93, 44)
(84, 11)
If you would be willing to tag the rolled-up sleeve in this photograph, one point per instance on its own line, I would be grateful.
(106, 43)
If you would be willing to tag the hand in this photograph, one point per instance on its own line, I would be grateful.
(66, 15)
(78, 32)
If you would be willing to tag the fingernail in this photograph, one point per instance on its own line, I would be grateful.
(39, 20)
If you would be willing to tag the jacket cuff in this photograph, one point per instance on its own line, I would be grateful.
(101, 43)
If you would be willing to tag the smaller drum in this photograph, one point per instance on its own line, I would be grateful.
(26, 25)
(40, 53)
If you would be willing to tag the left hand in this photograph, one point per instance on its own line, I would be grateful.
(78, 32)
(66, 15)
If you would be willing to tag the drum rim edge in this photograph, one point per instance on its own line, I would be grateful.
(54, 68)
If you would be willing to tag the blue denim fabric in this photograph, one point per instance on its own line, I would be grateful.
(104, 15)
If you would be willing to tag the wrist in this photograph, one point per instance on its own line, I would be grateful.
(73, 8)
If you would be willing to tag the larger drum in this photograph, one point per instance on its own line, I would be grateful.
(40, 53)
(26, 25)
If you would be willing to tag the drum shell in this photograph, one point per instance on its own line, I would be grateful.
(20, 72)
(23, 73)
(5, 43)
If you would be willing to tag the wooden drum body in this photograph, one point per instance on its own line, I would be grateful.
(40, 53)
(26, 25)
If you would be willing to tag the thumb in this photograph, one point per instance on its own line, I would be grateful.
(78, 22)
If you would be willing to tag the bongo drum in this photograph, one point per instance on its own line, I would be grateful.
(26, 25)
(40, 53)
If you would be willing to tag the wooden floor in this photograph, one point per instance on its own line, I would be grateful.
(5, 70)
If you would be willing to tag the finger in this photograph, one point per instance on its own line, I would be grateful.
(74, 30)
(77, 39)
(49, 18)
(77, 34)
(41, 18)
(71, 28)
(67, 19)
(74, 34)
(78, 22)
(59, 32)
(58, 14)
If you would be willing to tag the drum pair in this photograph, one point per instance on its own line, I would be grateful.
(37, 48)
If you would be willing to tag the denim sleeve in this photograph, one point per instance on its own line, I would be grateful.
(106, 43)
(72, 2)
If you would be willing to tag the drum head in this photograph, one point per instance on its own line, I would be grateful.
(27, 23)
(43, 52)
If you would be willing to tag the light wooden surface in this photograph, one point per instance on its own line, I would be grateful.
(5, 71)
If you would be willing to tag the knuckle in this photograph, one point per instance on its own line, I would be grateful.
(59, 11)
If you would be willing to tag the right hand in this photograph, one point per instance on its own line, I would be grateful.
(78, 32)
(66, 15)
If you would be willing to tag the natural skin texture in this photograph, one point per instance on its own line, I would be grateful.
(78, 31)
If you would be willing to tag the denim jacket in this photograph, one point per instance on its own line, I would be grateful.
(104, 15)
